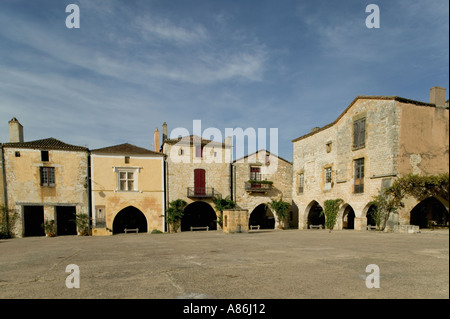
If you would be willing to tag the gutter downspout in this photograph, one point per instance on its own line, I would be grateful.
(5, 193)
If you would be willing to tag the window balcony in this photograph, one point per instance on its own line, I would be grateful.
(258, 186)
(200, 192)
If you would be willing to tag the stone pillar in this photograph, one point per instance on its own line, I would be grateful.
(360, 223)
(235, 221)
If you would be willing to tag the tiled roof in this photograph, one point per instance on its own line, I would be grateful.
(192, 139)
(127, 149)
(46, 144)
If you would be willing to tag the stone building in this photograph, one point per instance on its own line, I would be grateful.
(257, 179)
(44, 180)
(375, 140)
(197, 171)
(127, 190)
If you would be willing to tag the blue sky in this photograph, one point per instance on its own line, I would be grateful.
(133, 65)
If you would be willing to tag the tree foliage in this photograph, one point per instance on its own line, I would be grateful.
(420, 187)
(174, 214)
(222, 204)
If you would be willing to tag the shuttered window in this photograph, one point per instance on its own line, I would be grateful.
(359, 133)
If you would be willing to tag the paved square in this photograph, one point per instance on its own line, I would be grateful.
(288, 264)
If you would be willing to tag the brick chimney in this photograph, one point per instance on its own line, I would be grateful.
(156, 140)
(15, 131)
(437, 96)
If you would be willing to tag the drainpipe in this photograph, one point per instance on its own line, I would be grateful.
(5, 194)
(89, 187)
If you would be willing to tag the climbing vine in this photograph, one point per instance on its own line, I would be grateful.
(420, 187)
(281, 209)
(331, 210)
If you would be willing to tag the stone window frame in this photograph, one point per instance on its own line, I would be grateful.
(47, 176)
(126, 170)
(300, 188)
(327, 186)
(358, 188)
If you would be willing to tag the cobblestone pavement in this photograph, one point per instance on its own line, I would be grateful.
(290, 264)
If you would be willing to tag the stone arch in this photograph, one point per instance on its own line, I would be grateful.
(198, 214)
(263, 216)
(369, 212)
(348, 217)
(429, 212)
(131, 218)
(313, 214)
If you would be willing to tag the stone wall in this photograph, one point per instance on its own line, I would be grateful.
(333, 147)
(24, 188)
(274, 169)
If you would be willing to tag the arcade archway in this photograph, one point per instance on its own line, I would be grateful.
(262, 216)
(315, 216)
(198, 214)
(129, 218)
(429, 212)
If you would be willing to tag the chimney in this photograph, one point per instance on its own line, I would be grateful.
(164, 137)
(156, 140)
(437, 96)
(15, 131)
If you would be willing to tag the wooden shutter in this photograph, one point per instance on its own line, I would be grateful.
(199, 182)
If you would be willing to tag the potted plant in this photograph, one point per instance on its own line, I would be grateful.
(82, 222)
(49, 228)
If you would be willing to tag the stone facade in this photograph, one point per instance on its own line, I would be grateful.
(398, 137)
(186, 155)
(45, 180)
(127, 180)
(268, 168)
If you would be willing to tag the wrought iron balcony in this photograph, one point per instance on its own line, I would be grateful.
(258, 186)
(200, 192)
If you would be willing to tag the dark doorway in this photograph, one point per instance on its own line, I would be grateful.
(315, 216)
(371, 216)
(348, 221)
(429, 213)
(66, 220)
(33, 221)
(262, 216)
(198, 214)
(129, 218)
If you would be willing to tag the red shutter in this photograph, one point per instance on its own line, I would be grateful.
(199, 182)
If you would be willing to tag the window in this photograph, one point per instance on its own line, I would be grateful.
(255, 175)
(328, 178)
(359, 175)
(17, 154)
(47, 176)
(126, 181)
(301, 179)
(44, 156)
(127, 160)
(359, 133)
(198, 151)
